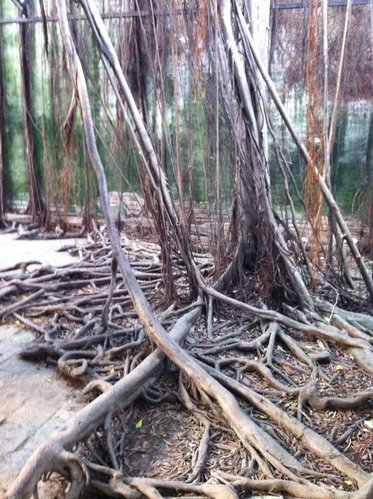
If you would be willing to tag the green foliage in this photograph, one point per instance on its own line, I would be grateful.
(350, 158)
(16, 173)
(62, 173)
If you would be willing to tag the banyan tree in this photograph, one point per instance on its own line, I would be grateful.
(239, 320)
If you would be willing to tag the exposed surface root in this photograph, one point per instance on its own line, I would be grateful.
(294, 381)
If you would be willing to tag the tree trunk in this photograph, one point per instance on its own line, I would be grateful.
(36, 204)
(2, 124)
(161, 202)
(328, 197)
(369, 167)
(261, 247)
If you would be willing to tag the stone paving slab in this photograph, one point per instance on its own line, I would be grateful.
(34, 401)
(13, 251)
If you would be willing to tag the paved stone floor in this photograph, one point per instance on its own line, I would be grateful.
(14, 250)
(34, 400)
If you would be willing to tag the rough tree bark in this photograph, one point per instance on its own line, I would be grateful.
(349, 332)
(163, 205)
(36, 204)
(2, 111)
(261, 243)
(328, 197)
(242, 425)
(51, 455)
